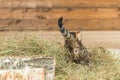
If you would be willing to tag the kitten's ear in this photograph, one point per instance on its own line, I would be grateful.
(79, 35)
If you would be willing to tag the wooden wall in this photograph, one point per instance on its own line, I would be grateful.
(43, 14)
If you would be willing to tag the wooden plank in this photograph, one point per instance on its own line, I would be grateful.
(57, 3)
(93, 13)
(51, 24)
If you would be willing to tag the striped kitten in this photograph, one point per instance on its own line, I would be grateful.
(78, 51)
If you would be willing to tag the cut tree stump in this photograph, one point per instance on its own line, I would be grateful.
(27, 68)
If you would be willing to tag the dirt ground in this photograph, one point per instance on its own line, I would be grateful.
(107, 39)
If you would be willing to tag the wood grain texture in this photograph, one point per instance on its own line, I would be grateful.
(58, 3)
(43, 14)
(51, 24)
(92, 13)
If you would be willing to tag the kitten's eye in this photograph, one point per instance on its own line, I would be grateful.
(76, 51)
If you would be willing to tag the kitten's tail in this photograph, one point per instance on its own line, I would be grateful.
(62, 29)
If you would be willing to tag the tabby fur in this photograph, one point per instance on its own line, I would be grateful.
(73, 43)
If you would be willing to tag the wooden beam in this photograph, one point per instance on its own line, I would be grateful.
(100, 13)
(51, 24)
(58, 4)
